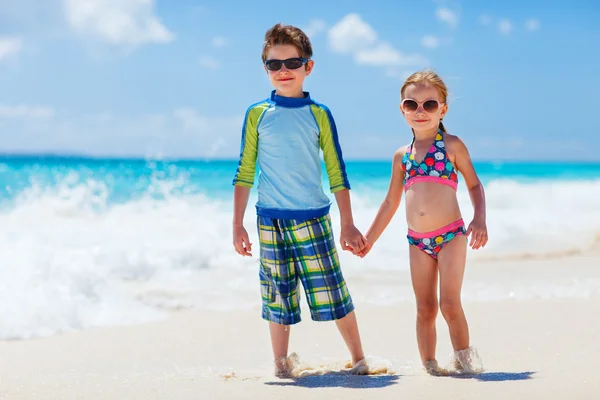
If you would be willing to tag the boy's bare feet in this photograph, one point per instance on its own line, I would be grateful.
(360, 368)
(284, 367)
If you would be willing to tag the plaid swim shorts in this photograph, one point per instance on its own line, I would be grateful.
(300, 250)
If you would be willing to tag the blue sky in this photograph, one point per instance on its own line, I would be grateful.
(174, 78)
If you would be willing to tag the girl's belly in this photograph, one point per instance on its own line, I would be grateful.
(430, 206)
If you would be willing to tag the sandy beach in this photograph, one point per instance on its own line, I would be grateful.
(130, 131)
(538, 348)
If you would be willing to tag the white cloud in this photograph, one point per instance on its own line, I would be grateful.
(384, 54)
(118, 22)
(395, 72)
(447, 15)
(532, 24)
(484, 19)
(209, 62)
(315, 27)
(222, 134)
(193, 122)
(351, 34)
(219, 41)
(23, 111)
(430, 41)
(505, 26)
(9, 47)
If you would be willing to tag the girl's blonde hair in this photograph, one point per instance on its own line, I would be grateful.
(429, 77)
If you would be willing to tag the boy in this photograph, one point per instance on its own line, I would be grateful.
(284, 133)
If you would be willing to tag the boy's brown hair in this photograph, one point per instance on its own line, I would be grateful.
(287, 34)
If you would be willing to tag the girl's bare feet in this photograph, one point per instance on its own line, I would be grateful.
(467, 361)
(432, 368)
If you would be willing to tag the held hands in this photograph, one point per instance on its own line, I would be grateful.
(241, 242)
(478, 231)
(365, 250)
(352, 240)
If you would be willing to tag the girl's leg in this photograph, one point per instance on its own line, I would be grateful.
(423, 272)
(451, 264)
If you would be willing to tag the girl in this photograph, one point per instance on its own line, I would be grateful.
(427, 171)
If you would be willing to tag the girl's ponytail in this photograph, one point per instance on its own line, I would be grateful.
(442, 127)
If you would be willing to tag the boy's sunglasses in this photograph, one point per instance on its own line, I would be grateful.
(290, 63)
(430, 106)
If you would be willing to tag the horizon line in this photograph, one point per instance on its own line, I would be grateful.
(150, 158)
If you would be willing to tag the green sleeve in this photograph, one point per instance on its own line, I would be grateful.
(332, 152)
(246, 170)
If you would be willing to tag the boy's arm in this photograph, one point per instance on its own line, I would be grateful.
(477, 228)
(350, 238)
(241, 241)
(332, 151)
(241, 194)
(342, 198)
(243, 182)
(246, 170)
(390, 205)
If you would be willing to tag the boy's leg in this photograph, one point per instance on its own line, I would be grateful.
(280, 339)
(424, 275)
(319, 270)
(279, 288)
(451, 264)
(348, 328)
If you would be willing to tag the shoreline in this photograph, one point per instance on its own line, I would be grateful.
(531, 348)
(227, 355)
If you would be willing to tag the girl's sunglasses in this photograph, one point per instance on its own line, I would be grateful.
(410, 105)
(290, 63)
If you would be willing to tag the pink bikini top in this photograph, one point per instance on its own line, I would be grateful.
(435, 166)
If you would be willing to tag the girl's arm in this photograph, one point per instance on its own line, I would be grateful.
(390, 204)
(477, 228)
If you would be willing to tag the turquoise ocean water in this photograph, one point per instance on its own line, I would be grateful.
(91, 242)
(127, 179)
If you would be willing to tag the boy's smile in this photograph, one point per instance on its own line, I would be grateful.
(288, 82)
